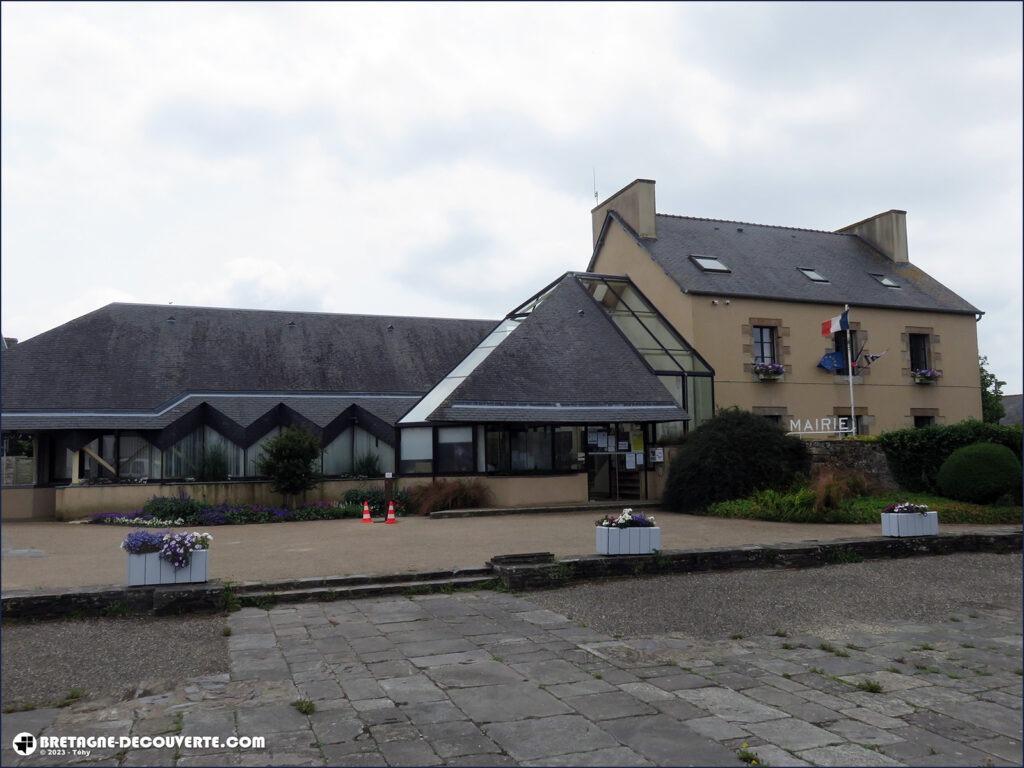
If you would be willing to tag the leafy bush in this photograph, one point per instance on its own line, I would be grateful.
(173, 508)
(981, 473)
(832, 487)
(289, 460)
(214, 464)
(367, 465)
(448, 494)
(378, 500)
(915, 455)
(731, 456)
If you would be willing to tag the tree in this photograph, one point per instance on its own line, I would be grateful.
(731, 456)
(992, 409)
(289, 461)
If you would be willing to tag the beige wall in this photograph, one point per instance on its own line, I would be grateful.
(74, 502)
(886, 394)
(26, 504)
(525, 491)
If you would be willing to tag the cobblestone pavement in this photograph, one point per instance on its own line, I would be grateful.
(491, 679)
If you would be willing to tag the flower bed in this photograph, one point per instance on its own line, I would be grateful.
(627, 534)
(228, 514)
(166, 558)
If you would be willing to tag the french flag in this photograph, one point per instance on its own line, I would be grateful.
(836, 324)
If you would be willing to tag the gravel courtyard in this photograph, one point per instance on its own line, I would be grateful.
(47, 555)
(904, 662)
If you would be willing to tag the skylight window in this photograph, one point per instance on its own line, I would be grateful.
(888, 282)
(813, 275)
(709, 263)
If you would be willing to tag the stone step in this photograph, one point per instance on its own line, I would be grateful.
(600, 507)
(373, 589)
(355, 580)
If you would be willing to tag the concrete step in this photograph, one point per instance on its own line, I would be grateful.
(355, 580)
(598, 507)
(371, 589)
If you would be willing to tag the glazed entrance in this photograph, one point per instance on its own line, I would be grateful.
(617, 462)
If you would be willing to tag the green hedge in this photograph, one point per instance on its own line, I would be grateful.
(982, 473)
(916, 455)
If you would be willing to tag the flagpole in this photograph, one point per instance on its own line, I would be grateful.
(849, 369)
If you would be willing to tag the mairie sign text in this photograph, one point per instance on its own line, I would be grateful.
(824, 425)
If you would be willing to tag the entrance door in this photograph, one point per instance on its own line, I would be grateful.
(615, 462)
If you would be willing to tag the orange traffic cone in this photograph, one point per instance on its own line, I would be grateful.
(366, 512)
(392, 520)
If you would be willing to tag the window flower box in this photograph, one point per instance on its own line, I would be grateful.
(166, 558)
(901, 520)
(769, 371)
(925, 376)
(627, 534)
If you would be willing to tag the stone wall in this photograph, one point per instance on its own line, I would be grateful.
(858, 455)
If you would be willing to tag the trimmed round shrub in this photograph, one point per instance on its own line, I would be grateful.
(981, 473)
(731, 456)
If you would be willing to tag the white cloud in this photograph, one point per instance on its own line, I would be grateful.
(436, 159)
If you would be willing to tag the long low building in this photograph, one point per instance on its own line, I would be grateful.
(584, 380)
(578, 379)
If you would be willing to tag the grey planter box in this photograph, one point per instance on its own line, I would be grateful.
(148, 569)
(627, 541)
(910, 524)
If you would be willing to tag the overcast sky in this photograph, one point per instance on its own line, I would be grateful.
(437, 159)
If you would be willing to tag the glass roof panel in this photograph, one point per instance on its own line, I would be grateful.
(709, 263)
(435, 397)
(641, 323)
(813, 274)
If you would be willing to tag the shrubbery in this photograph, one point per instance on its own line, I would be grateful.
(448, 494)
(173, 507)
(916, 455)
(367, 465)
(981, 473)
(797, 506)
(378, 500)
(289, 460)
(730, 456)
(160, 512)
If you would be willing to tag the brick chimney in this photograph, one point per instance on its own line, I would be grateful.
(887, 232)
(634, 203)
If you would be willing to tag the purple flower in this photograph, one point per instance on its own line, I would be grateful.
(141, 542)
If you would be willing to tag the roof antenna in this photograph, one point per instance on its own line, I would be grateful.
(594, 170)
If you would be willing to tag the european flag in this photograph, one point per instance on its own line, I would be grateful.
(833, 361)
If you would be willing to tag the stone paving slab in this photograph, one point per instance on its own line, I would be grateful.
(493, 679)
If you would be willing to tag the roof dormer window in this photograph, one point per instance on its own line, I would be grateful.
(813, 275)
(709, 263)
(888, 282)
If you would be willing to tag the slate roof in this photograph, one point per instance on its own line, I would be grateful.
(566, 362)
(765, 259)
(132, 365)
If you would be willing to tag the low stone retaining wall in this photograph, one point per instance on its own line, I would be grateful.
(864, 457)
(521, 577)
(115, 601)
